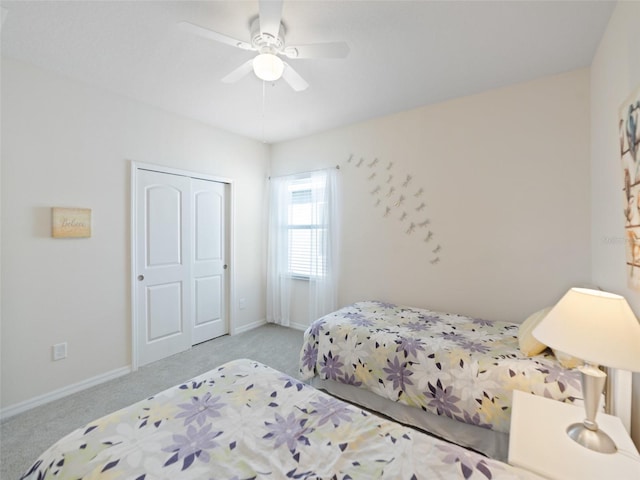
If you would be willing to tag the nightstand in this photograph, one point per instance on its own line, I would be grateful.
(538, 442)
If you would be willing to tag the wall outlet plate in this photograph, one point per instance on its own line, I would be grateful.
(60, 351)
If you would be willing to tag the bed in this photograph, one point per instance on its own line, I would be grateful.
(245, 420)
(445, 373)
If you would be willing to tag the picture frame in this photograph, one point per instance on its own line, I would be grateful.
(70, 222)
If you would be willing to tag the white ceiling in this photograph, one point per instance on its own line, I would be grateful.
(404, 54)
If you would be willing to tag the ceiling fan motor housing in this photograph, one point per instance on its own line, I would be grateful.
(264, 42)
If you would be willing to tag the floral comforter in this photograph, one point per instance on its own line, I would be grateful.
(446, 364)
(245, 420)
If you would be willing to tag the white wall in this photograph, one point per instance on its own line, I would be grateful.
(506, 182)
(615, 74)
(67, 144)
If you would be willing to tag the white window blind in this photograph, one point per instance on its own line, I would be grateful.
(306, 227)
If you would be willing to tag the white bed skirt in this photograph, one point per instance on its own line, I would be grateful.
(488, 442)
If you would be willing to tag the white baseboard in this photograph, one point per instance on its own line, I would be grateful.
(299, 326)
(62, 392)
(250, 326)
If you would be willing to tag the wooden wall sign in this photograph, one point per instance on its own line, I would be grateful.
(70, 222)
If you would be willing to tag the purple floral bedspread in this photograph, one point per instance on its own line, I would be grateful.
(446, 364)
(245, 420)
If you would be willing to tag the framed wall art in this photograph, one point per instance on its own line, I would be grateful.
(629, 134)
(70, 222)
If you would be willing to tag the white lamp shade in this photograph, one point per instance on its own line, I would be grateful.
(268, 67)
(597, 327)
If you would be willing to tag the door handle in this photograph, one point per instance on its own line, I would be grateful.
(225, 266)
(140, 278)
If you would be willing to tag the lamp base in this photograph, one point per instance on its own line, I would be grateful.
(595, 440)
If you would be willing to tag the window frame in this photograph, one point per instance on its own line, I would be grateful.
(304, 183)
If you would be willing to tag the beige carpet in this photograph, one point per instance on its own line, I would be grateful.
(24, 437)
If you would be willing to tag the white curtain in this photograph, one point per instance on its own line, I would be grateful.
(278, 279)
(323, 289)
(314, 198)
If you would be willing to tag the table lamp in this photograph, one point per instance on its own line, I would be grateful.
(599, 328)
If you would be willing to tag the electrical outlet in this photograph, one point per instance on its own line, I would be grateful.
(60, 351)
(242, 303)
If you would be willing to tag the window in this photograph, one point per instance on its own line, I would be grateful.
(303, 243)
(306, 227)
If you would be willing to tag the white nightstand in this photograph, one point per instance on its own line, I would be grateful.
(538, 442)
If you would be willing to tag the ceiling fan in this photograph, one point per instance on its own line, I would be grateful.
(268, 39)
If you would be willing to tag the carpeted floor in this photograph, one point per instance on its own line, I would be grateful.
(24, 437)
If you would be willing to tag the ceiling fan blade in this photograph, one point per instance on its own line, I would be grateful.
(211, 35)
(270, 17)
(239, 72)
(318, 50)
(294, 79)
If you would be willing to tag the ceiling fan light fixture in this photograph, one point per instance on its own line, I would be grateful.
(268, 67)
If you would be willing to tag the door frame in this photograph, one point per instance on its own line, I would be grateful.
(229, 213)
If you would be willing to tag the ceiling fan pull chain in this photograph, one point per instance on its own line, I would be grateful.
(263, 113)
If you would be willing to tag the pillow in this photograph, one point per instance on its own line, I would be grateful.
(566, 360)
(529, 345)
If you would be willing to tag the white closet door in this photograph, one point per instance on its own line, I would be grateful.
(209, 267)
(163, 270)
(180, 274)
